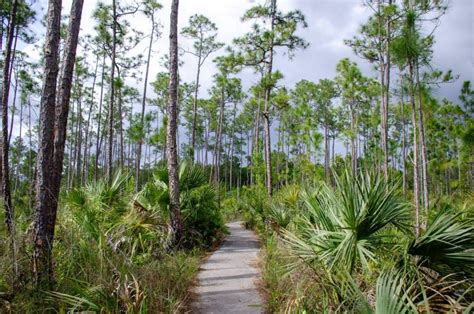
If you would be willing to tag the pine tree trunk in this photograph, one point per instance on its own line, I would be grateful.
(12, 62)
(20, 137)
(85, 168)
(326, 154)
(416, 182)
(99, 134)
(120, 114)
(424, 158)
(142, 116)
(112, 96)
(171, 147)
(266, 111)
(5, 147)
(404, 155)
(195, 100)
(231, 155)
(45, 214)
(78, 149)
(217, 148)
(353, 139)
(387, 97)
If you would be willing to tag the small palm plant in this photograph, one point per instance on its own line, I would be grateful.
(343, 226)
(201, 215)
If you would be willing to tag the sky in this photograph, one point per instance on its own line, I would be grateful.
(330, 22)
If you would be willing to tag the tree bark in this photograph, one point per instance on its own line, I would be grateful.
(326, 153)
(353, 138)
(195, 100)
(112, 96)
(404, 155)
(387, 97)
(171, 147)
(99, 135)
(424, 158)
(5, 147)
(266, 110)
(45, 213)
(85, 168)
(231, 155)
(217, 148)
(16, 80)
(416, 182)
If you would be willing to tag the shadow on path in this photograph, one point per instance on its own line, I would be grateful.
(227, 280)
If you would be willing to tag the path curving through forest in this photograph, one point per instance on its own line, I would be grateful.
(227, 280)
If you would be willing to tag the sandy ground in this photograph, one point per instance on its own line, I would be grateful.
(227, 280)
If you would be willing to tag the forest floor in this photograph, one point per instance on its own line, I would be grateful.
(227, 281)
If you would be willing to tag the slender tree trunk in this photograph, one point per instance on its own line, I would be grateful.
(353, 139)
(231, 155)
(195, 100)
(72, 147)
(387, 96)
(326, 153)
(206, 144)
(171, 147)
(78, 148)
(404, 155)
(424, 158)
(120, 114)
(5, 147)
(85, 169)
(45, 213)
(217, 149)
(256, 139)
(266, 111)
(142, 116)
(20, 138)
(12, 121)
(99, 134)
(416, 180)
(112, 92)
(31, 171)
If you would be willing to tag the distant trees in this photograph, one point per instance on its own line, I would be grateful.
(203, 32)
(94, 121)
(151, 8)
(273, 29)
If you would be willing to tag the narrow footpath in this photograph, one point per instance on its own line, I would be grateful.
(227, 280)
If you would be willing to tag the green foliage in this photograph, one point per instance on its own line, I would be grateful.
(320, 259)
(202, 217)
(448, 242)
(112, 248)
(346, 225)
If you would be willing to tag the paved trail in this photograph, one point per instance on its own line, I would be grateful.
(227, 279)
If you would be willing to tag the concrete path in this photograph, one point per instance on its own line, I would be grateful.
(227, 280)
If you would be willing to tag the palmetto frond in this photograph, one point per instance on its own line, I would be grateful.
(345, 225)
(448, 242)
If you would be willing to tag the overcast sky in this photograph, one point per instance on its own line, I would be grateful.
(329, 23)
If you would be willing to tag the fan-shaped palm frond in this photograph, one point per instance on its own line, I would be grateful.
(448, 242)
(346, 224)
